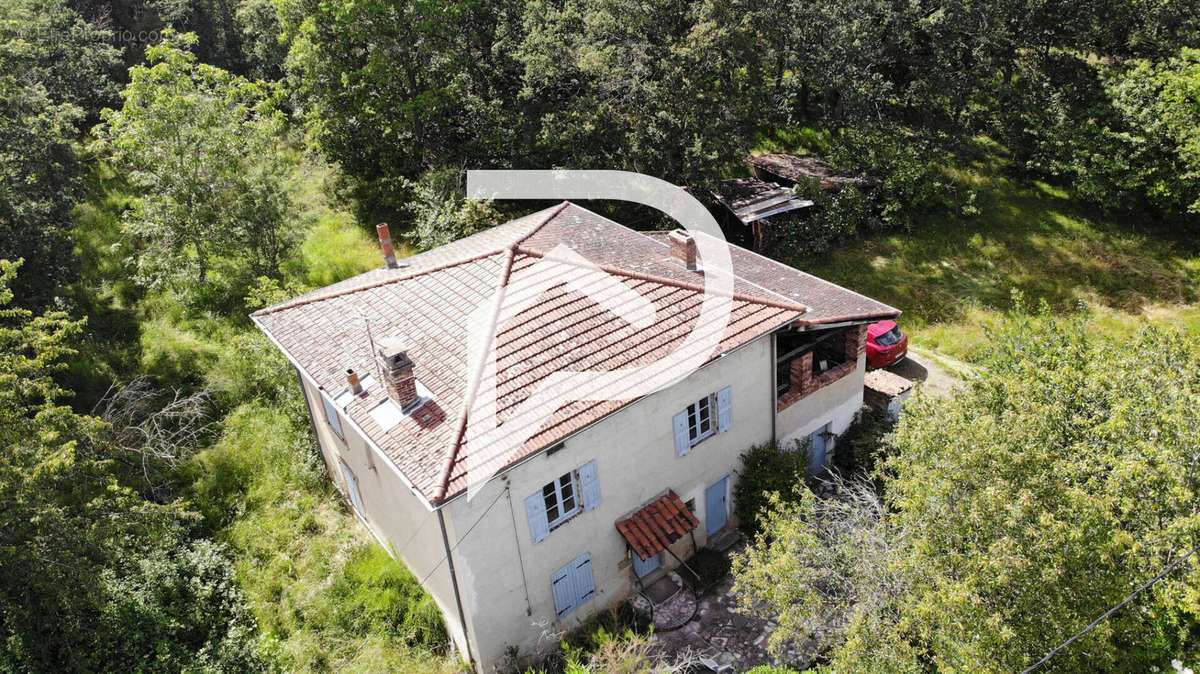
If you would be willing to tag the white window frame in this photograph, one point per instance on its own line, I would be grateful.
(556, 486)
(697, 434)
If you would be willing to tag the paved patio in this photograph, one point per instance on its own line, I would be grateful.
(718, 632)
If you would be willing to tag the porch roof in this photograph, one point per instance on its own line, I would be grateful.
(658, 524)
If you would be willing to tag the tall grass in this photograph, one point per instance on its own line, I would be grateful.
(326, 596)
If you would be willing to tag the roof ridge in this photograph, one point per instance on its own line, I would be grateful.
(698, 287)
(404, 277)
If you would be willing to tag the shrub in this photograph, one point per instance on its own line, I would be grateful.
(834, 216)
(861, 446)
(711, 566)
(913, 187)
(766, 469)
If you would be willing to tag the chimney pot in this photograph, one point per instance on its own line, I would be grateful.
(385, 244)
(398, 375)
(683, 248)
(353, 382)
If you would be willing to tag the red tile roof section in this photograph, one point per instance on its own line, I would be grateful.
(428, 304)
(657, 525)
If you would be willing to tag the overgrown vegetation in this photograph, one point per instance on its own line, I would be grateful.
(165, 508)
(1011, 515)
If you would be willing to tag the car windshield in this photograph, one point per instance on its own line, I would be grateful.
(890, 337)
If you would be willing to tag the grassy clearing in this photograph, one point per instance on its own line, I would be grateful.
(326, 596)
(954, 276)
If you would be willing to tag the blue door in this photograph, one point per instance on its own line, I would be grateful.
(643, 568)
(820, 447)
(716, 511)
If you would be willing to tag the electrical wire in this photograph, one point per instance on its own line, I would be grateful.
(1174, 565)
(464, 536)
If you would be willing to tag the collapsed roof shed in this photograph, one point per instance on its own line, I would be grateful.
(751, 201)
(789, 169)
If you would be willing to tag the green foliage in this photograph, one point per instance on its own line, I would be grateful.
(92, 573)
(46, 43)
(862, 446)
(767, 469)
(835, 217)
(1014, 513)
(442, 213)
(178, 609)
(200, 146)
(711, 566)
(39, 183)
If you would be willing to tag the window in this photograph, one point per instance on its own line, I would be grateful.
(331, 415)
(890, 337)
(561, 499)
(699, 419)
(696, 422)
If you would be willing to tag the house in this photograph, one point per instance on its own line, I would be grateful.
(603, 494)
(751, 201)
(789, 169)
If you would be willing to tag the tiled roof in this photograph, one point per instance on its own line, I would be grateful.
(428, 303)
(660, 523)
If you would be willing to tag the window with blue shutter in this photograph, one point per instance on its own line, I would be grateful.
(535, 509)
(331, 415)
(589, 484)
(573, 585)
(724, 409)
(682, 444)
(561, 499)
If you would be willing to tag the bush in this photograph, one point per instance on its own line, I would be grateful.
(835, 216)
(177, 609)
(766, 469)
(711, 566)
(913, 187)
(861, 447)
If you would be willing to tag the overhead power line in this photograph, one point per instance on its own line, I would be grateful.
(1174, 565)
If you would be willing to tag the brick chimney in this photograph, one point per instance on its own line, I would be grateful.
(398, 374)
(683, 248)
(353, 382)
(385, 244)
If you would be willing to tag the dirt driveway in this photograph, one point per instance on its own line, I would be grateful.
(939, 374)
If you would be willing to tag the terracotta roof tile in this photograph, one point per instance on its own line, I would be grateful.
(429, 304)
(657, 525)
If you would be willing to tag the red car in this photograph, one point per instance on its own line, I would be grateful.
(886, 344)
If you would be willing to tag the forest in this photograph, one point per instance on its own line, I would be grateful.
(169, 166)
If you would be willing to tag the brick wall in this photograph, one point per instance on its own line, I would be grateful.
(805, 383)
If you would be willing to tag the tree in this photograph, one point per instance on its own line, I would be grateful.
(40, 180)
(81, 552)
(1013, 514)
(199, 144)
(46, 42)
(390, 89)
(667, 88)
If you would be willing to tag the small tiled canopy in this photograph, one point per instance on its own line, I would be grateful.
(660, 523)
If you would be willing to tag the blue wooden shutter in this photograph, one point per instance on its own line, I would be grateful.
(331, 415)
(682, 444)
(573, 585)
(724, 409)
(535, 510)
(589, 483)
(585, 583)
(564, 594)
(352, 487)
